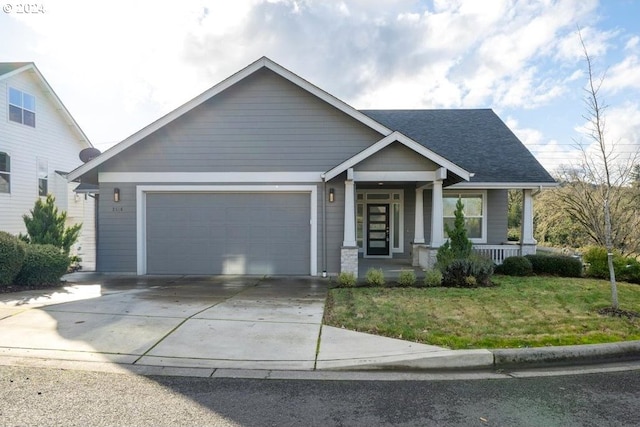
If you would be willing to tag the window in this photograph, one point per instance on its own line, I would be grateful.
(474, 209)
(22, 107)
(43, 177)
(5, 173)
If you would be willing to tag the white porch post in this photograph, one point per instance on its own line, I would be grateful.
(349, 214)
(418, 237)
(349, 250)
(437, 220)
(527, 241)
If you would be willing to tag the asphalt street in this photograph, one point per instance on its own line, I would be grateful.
(40, 396)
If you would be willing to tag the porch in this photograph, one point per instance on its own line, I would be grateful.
(392, 267)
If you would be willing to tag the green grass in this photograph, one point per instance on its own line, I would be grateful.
(519, 312)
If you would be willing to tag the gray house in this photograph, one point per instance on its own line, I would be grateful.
(265, 173)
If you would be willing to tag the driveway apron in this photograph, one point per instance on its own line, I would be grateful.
(209, 322)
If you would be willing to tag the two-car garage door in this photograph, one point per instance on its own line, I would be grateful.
(228, 233)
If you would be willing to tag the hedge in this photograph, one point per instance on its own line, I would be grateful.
(556, 265)
(12, 254)
(515, 266)
(43, 265)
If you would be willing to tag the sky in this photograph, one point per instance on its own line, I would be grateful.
(120, 65)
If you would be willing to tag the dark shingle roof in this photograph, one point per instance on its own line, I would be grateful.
(7, 67)
(476, 140)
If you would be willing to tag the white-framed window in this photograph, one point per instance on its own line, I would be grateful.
(395, 198)
(475, 212)
(5, 173)
(22, 107)
(43, 177)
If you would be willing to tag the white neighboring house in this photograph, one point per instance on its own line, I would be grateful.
(39, 144)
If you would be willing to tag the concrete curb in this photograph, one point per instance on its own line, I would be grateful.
(499, 359)
(564, 355)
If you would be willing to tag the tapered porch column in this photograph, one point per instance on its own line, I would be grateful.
(349, 250)
(527, 242)
(437, 221)
(418, 237)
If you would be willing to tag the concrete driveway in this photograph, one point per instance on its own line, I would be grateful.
(190, 322)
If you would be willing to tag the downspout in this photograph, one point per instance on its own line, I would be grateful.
(324, 225)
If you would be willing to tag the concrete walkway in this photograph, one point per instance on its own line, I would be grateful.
(204, 326)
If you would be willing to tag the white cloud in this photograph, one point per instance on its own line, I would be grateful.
(623, 75)
(120, 65)
(549, 152)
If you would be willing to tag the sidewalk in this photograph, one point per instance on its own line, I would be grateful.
(219, 326)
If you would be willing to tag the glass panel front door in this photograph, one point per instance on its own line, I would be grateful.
(378, 229)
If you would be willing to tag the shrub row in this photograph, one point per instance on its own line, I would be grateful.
(30, 264)
(627, 269)
(553, 265)
(556, 265)
(406, 278)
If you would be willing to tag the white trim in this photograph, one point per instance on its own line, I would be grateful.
(53, 96)
(406, 141)
(209, 177)
(263, 62)
(485, 213)
(526, 228)
(390, 200)
(501, 185)
(437, 215)
(141, 211)
(394, 176)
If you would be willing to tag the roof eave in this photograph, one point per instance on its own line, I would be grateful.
(408, 142)
(532, 185)
(56, 100)
(263, 62)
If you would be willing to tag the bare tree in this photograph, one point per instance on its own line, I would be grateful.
(601, 178)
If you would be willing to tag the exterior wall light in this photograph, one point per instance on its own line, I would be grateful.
(116, 195)
(332, 195)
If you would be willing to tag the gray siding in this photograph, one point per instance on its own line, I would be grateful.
(335, 221)
(117, 229)
(396, 157)
(264, 123)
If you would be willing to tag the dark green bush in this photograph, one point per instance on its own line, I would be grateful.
(43, 265)
(516, 266)
(11, 258)
(627, 269)
(468, 273)
(556, 265)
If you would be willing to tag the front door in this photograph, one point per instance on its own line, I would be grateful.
(378, 229)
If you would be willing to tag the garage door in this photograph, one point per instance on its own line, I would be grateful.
(228, 233)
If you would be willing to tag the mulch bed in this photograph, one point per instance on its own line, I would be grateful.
(618, 312)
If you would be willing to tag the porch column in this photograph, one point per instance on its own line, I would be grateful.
(527, 242)
(349, 214)
(349, 250)
(437, 220)
(418, 237)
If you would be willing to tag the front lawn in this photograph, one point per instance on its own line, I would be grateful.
(519, 312)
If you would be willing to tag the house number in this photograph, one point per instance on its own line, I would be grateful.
(118, 209)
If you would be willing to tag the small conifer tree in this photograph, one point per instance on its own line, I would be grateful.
(458, 246)
(46, 226)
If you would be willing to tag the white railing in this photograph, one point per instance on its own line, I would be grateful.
(497, 253)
